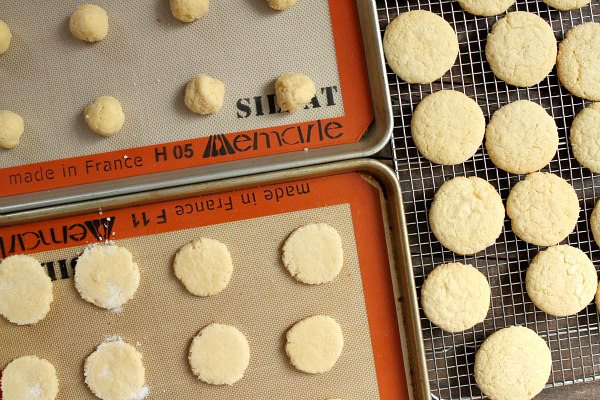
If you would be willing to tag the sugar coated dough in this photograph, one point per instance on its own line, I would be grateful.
(595, 223)
(420, 46)
(12, 127)
(486, 8)
(315, 344)
(89, 22)
(543, 209)
(455, 297)
(106, 276)
(561, 280)
(204, 95)
(466, 215)
(567, 4)
(294, 90)
(521, 49)
(219, 354)
(115, 371)
(104, 116)
(585, 137)
(521, 137)
(5, 37)
(188, 10)
(314, 254)
(513, 363)
(204, 266)
(25, 290)
(29, 378)
(578, 62)
(281, 5)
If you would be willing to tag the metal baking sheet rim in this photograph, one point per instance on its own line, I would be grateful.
(376, 137)
(404, 285)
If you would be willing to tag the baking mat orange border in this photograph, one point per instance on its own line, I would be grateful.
(219, 148)
(350, 188)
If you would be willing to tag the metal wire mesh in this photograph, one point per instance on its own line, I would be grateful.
(575, 340)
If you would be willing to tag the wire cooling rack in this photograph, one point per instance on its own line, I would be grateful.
(575, 340)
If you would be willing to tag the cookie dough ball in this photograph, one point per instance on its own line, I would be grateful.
(25, 290)
(204, 95)
(219, 354)
(188, 10)
(447, 127)
(281, 5)
(115, 371)
(561, 280)
(89, 22)
(204, 266)
(565, 5)
(595, 223)
(12, 127)
(466, 215)
(513, 363)
(29, 377)
(315, 344)
(455, 297)
(521, 137)
(107, 276)
(486, 8)
(543, 209)
(104, 116)
(5, 37)
(294, 91)
(578, 62)
(521, 49)
(420, 46)
(585, 137)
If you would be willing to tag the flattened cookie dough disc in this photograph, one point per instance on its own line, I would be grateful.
(521, 49)
(595, 223)
(219, 354)
(543, 209)
(420, 46)
(578, 62)
(567, 4)
(294, 91)
(455, 297)
(188, 10)
(25, 290)
(107, 276)
(486, 8)
(281, 5)
(204, 266)
(513, 363)
(315, 344)
(313, 254)
(585, 137)
(448, 127)
(89, 22)
(29, 377)
(521, 137)
(466, 215)
(5, 37)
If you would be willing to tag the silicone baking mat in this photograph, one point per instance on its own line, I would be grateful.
(262, 299)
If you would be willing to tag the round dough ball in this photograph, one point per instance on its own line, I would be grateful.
(521, 137)
(486, 8)
(420, 46)
(106, 276)
(115, 371)
(447, 127)
(11, 129)
(219, 354)
(104, 116)
(204, 95)
(446, 291)
(521, 49)
(29, 377)
(513, 363)
(543, 209)
(561, 280)
(204, 266)
(313, 254)
(315, 344)
(25, 290)
(466, 215)
(585, 137)
(89, 22)
(188, 10)
(578, 62)
(281, 5)
(294, 91)
(565, 5)
(595, 223)
(5, 37)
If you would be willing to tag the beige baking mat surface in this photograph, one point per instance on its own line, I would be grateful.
(49, 77)
(262, 300)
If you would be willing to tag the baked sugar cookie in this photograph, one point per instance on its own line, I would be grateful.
(5, 37)
(188, 10)
(104, 116)
(29, 377)
(12, 127)
(89, 22)
(565, 5)
(578, 62)
(595, 223)
(486, 8)
(585, 137)
(294, 91)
